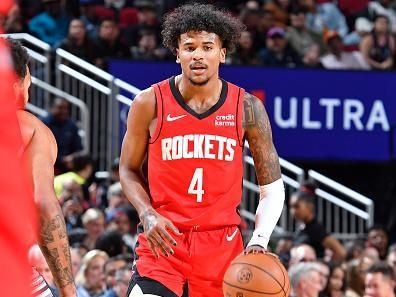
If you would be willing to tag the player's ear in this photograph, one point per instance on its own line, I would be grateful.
(223, 54)
(177, 56)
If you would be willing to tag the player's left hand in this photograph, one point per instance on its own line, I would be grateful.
(255, 249)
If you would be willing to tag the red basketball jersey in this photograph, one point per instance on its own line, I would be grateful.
(195, 160)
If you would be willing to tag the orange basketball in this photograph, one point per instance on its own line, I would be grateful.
(256, 275)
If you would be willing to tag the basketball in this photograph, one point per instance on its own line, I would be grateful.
(256, 275)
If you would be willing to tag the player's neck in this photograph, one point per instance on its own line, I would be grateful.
(198, 92)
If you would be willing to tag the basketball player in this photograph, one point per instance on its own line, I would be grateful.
(39, 149)
(192, 127)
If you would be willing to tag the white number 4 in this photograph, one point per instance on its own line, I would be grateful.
(196, 185)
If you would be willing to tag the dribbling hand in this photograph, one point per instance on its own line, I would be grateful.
(255, 249)
(156, 229)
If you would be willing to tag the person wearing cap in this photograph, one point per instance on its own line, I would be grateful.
(278, 51)
(378, 48)
(337, 58)
(50, 26)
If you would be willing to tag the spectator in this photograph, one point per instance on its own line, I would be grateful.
(72, 211)
(391, 258)
(116, 199)
(94, 222)
(378, 48)
(90, 278)
(324, 16)
(148, 48)
(37, 260)
(111, 267)
(311, 231)
(380, 281)
(82, 168)
(14, 22)
(311, 58)
(356, 272)
(109, 44)
(382, 7)
(300, 38)
(279, 9)
(283, 248)
(378, 238)
(78, 43)
(245, 53)
(354, 249)
(75, 260)
(336, 285)
(120, 287)
(111, 242)
(302, 253)
(65, 132)
(51, 25)
(305, 280)
(88, 16)
(363, 27)
(337, 58)
(278, 51)
(265, 23)
(324, 276)
(126, 220)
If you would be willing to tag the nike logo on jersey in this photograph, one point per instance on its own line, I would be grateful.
(169, 118)
(231, 237)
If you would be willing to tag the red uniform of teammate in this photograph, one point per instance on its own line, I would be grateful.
(191, 128)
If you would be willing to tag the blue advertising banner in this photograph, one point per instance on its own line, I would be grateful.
(315, 114)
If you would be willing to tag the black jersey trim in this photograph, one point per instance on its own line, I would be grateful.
(179, 98)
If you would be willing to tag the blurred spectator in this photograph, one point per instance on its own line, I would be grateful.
(51, 25)
(251, 18)
(111, 242)
(283, 248)
(324, 276)
(382, 7)
(265, 23)
(380, 281)
(120, 288)
(391, 258)
(126, 220)
(117, 4)
(311, 231)
(324, 16)
(72, 211)
(279, 9)
(72, 190)
(378, 238)
(94, 222)
(14, 22)
(336, 285)
(109, 44)
(302, 253)
(354, 249)
(311, 58)
(111, 267)
(278, 51)
(305, 280)
(356, 272)
(337, 58)
(37, 260)
(66, 133)
(75, 260)
(363, 27)
(245, 53)
(148, 48)
(116, 199)
(378, 48)
(88, 16)
(78, 43)
(90, 279)
(301, 38)
(82, 168)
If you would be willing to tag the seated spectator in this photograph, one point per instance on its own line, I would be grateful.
(266, 22)
(120, 288)
(324, 276)
(112, 243)
(337, 58)
(391, 258)
(126, 220)
(245, 52)
(378, 238)
(72, 211)
(280, 11)
(78, 43)
(111, 267)
(282, 249)
(148, 48)
(312, 232)
(324, 16)
(354, 249)
(90, 279)
(302, 253)
(14, 22)
(378, 48)
(118, 4)
(380, 281)
(94, 223)
(305, 280)
(108, 44)
(66, 133)
(356, 272)
(51, 25)
(311, 57)
(116, 199)
(82, 168)
(278, 51)
(301, 38)
(336, 285)
(37, 260)
(89, 17)
(381, 7)
(363, 27)
(75, 260)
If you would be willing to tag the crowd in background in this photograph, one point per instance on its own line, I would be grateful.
(343, 34)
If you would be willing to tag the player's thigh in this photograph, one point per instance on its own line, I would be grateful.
(146, 287)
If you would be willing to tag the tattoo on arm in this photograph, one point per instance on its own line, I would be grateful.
(55, 247)
(258, 133)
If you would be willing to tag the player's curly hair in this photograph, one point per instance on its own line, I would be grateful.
(201, 17)
(20, 57)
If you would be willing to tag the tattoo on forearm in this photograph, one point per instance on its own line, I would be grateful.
(55, 247)
(258, 131)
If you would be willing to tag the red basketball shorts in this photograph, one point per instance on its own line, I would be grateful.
(200, 260)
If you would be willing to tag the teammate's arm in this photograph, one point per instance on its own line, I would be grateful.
(52, 239)
(133, 154)
(258, 133)
(331, 243)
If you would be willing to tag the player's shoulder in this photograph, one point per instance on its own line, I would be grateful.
(144, 103)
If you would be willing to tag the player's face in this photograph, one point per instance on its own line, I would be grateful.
(376, 285)
(200, 54)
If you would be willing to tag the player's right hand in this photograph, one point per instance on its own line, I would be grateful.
(156, 229)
